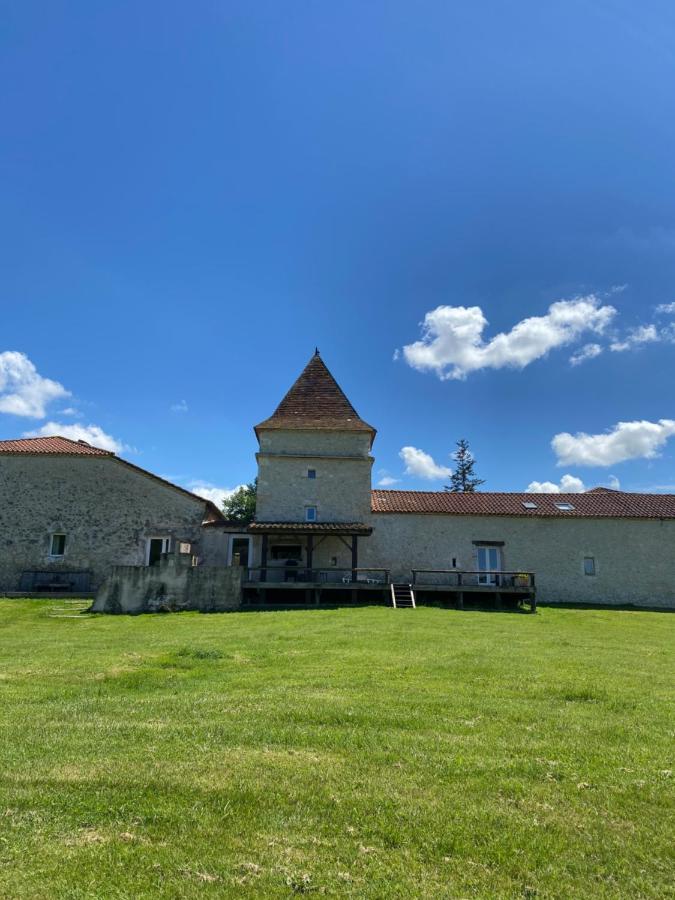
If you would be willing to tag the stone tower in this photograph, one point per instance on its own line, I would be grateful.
(314, 462)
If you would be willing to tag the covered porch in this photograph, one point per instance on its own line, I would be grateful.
(311, 562)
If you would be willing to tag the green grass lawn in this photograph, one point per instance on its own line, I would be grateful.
(354, 752)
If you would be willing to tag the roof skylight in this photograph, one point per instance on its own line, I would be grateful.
(565, 507)
(529, 505)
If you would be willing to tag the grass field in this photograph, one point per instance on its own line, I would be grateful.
(356, 752)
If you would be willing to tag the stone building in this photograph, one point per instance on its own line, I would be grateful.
(74, 513)
(316, 509)
(70, 511)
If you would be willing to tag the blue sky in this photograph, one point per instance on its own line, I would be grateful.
(195, 195)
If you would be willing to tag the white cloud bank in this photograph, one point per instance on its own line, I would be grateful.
(208, 491)
(627, 440)
(23, 391)
(452, 342)
(666, 308)
(92, 434)
(569, 484)
(421, 464)
(180, 407)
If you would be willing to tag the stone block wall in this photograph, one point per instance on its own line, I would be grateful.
(341, 489)
(634, 558)
(106, 510)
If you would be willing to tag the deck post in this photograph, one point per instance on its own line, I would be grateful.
(263, 558)
(460, 599)
(355, 555)
(310, 556)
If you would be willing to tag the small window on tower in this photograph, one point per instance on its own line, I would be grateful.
(310, 514)
(311, 473)
(57, 546)
(589, 565)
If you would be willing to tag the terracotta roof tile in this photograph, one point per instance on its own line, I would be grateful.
(593, 504)
(320, 527)
(316, 401)
(59, 445)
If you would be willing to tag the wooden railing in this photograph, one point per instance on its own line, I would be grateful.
(458, 579)
(277, 575)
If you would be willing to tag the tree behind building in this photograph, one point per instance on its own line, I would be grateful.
(240, 507)
(463, 478)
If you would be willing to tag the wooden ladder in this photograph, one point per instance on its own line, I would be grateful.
(402, 596)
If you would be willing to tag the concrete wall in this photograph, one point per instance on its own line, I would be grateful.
(214, 545)
(171, 585)
(106, 510)
(634, 558)
(341, 489)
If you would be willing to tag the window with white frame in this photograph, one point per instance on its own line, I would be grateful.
(310, 514)
(57, 545)
(154, 548)
(589, 565)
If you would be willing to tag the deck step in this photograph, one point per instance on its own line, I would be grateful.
(402, 596)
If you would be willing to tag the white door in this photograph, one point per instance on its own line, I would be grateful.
(489, 562)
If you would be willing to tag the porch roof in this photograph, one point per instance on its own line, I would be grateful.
(310, 528)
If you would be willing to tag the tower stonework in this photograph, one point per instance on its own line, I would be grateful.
(314, 462)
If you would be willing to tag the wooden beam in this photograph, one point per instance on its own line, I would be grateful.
(310, 554)
(263, 558)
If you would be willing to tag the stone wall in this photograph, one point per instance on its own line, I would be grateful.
(170, 586)
(634, 558)
(341, 489)
(106, 510)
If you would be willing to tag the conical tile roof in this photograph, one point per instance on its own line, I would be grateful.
(316, 401)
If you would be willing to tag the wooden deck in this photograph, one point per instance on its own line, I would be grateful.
(277, 585)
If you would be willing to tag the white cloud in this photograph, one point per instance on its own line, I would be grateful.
(666, 308)
(569, 484)
(180, 407)
(614, 483)
(421, 464)
(92, 434)
(23, 391)
(588, 351)
(452, 342)
(210, 492)
(387, 481)
(627, 440)
(643, 334)
(69, 411)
